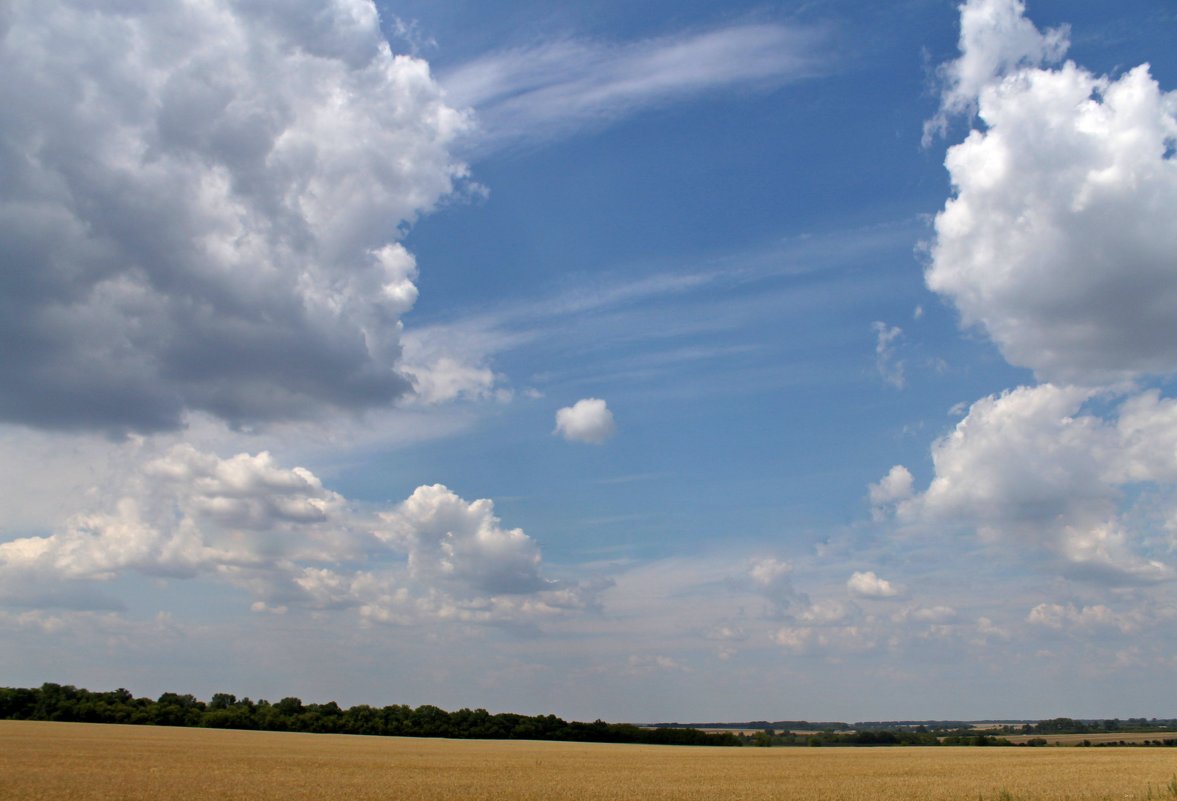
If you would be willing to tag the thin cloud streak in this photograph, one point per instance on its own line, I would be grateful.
(552, 89)
(673, 318)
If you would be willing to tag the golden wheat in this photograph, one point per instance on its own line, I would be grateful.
(70, 761)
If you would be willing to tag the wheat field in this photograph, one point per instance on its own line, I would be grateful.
(71, 761)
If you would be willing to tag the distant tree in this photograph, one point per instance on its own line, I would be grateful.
(289, 707)
(222, 701)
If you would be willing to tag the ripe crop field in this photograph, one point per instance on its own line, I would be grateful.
(71, 761)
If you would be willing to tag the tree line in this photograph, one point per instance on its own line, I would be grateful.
(1072, 726)
(56, 702)
(869, 738)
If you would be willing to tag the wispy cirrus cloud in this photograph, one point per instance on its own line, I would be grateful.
(654, 319)
(550, 89)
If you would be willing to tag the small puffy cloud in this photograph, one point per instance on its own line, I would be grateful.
(987, 630)
(463, 543)
(828, 612)
(868, 585)
(185, 233)
(769, 572)
(793, 638)
(1059, 240)
(891, 489)
(772, 578)
(588, 420)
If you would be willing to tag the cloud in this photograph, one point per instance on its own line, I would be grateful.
(243, 492)
(587, 420)
(640, 665)
(890, 368)
(1097, 616)
(772, 578)
(926, 614)
(828, 612)
(190, 512)
(447, 362)
(868, 585)
(462, 543)
(995, 40)
(289, 542)
(1029, 468)
(831, 628)
(891, 489)
(184, 232)
(1058, 241)
(547, 90)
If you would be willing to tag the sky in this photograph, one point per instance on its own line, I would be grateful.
(638, 361)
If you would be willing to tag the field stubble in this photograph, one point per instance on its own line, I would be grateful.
(72, 761)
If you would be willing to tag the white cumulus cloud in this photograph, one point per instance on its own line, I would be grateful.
(449, 539)
(1031, 468)
(1059, 239)
(892, 489)
(289, 542)
(587, 420)
(201, 209)
(1058, 242)
(866, 584)
(995, 39)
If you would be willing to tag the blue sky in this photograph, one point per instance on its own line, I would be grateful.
(764, 361)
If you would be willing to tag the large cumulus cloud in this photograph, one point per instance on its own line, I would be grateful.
(201, 204)
(1059, 243)
(1059, 239)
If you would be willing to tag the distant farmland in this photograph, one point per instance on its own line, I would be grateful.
(1095, 738)
(79, 762)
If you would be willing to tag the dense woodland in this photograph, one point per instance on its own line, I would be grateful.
(56, 702)
(226, 711)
